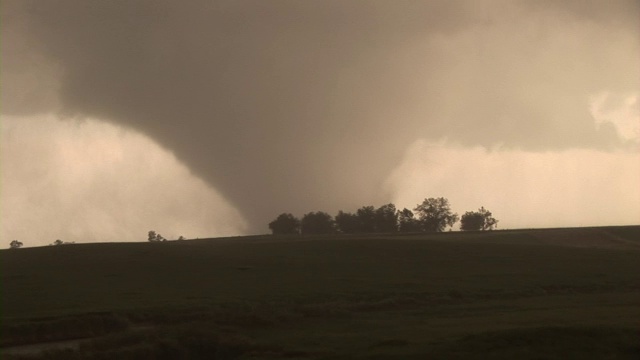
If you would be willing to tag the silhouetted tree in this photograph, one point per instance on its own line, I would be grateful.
(386, 219)
(478, 220)
(435, 214)
(347, 223)
(407, 222)
(155, 237)
(58, 242)
(366, 219)
(15, 244)
(182, 238)
(317, 223)
(285, 224)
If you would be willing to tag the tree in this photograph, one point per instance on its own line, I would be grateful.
(386, 219)
(155, 237)
(58, 242)
(407, 222)
(317, 223)
(366, 219)
(15, 244)
(285, 224)
(435, 214)
(478, 220)
(347, 223)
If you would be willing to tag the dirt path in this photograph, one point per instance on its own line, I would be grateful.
(37, 348)
(34, 349)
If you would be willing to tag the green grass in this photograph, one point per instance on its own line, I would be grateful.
(450, 295)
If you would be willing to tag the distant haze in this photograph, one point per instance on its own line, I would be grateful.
(294, 106)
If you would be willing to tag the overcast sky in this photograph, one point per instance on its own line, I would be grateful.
(207, 118)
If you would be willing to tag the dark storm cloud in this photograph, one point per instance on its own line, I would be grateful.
(303, 105)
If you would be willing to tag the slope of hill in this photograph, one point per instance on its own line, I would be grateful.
(362, 296)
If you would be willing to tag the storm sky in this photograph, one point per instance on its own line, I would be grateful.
(204, 118)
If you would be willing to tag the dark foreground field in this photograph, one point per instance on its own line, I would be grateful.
(530, 294)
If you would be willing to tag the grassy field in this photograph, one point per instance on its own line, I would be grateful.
(526, 294)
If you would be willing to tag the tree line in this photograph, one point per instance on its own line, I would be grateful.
(152, 236)
(432, 215)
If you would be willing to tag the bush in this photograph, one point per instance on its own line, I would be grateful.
(15, 244)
